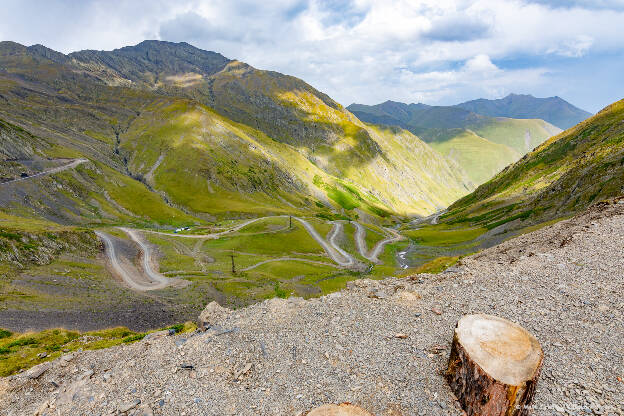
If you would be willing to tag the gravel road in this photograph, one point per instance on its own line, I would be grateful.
(332, 249)
(51, 171)
(380, 344)
(145, 278)
(360, 242)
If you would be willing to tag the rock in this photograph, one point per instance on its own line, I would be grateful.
(379, 294)
(37, 371)
(144, 410)
(42, 355)
(401, 336)
(437, 349)
(156, 335)
(42, 409)
(436, 310)
(211, 314)
(243, 371)
(129, 406)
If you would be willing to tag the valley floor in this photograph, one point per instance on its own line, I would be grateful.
(285, 356)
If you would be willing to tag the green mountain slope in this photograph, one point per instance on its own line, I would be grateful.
(451, 128)
(563, 176)
(553, 109)
(481, 158)
(522, 135)
(258, 139)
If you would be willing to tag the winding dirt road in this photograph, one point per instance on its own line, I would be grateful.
(141, 280)
(360, 242)
(219, 234)
(58, 169)
(148, 278)
(332, 249)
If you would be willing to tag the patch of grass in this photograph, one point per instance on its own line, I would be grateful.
(10, 235)
(22, 351)
(133, 338)
(481, 158)
(441, 236)
(279, 292)
(437, 265)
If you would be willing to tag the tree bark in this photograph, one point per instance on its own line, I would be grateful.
(494, 366)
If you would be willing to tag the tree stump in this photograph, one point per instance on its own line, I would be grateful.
(494, 366)
(342, 409)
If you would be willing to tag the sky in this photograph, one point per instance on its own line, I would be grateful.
(439, 52)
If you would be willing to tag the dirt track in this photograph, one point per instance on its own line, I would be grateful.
(51, 171)
(142, 279)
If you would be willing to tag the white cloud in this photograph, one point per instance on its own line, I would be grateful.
(480, 63)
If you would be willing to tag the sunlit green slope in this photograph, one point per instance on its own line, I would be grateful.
(481, 158)
(463, 134)
(580, 166)
(244, 141)
(203, 161)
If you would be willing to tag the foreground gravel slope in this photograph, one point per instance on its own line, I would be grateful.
(380, 344)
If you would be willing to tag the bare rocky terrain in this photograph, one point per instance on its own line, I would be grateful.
(382, 345)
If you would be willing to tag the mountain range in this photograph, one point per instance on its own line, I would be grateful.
(141, 184)
(463, 135)
(251, 140)
(554, 110)
(567, 173)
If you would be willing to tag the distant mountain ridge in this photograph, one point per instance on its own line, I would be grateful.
(463, 135)
(148, 63)
(554, 110)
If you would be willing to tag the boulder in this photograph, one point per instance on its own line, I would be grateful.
(212, 313)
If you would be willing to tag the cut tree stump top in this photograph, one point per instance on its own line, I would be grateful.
(503, 349)
(343, 409)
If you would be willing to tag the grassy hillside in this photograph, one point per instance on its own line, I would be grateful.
(268, 134)
(446, 129)
(481, 158)
(203, 161)
(168, 136)
(564, 175)
(87, 194)
(522, 135)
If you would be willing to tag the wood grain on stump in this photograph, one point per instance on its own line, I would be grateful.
(494, 366)
(343, 409)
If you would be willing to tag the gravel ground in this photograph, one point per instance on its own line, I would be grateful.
(380, 344)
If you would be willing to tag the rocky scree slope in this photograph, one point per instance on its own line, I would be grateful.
(382, 345)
